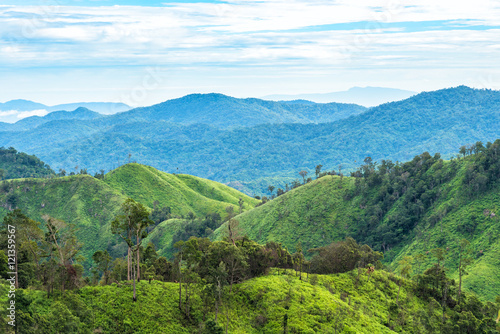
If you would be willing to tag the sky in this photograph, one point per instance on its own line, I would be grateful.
(145, 52)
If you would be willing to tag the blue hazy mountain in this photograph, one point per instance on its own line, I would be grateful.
(228, 112)
(365, 96)
(32, 122)
(14, 110)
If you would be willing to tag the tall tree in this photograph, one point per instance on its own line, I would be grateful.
(303, 173)
(28, 238)
(318, 170)
(64, 247)
(131, 226)
(103, 262)
(405, 270)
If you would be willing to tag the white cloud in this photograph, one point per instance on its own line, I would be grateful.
(8, 113)
(24, 114)
(242, 34)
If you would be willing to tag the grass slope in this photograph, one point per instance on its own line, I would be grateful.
(183, 193)
(347, 303)
(320, 212)
(91, 204)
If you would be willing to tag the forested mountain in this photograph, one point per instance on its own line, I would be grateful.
(438, 121)
(228, 112)
(401, 209)
(15, 165)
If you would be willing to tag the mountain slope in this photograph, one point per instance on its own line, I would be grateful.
(32, 122)
(91, 204)
(14, 164)
(344, 303)
(228, 112)
(402, 209)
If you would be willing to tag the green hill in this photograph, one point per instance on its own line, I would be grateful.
(14, 164)
(91, 204)
(345, 303)
(400, 209)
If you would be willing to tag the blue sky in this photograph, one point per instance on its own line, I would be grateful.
(144, 52)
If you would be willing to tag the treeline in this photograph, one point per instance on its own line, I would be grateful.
(416, 186)
(14, 165)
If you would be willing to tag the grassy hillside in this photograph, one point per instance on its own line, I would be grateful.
(91, 204)
(183, 193)
(347, 303)
(400, 209)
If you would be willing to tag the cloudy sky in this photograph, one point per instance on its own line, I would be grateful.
(143, 52)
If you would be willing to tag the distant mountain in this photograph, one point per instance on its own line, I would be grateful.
(13, 111)
(105, 108)
(439, 121)
(228, 112)
(21, 105)
(365, 96)
(34, 121)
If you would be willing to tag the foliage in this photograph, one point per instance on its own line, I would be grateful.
(401, 209)
(16, 165)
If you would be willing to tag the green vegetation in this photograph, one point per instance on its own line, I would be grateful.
(400, 209)
(91, 204)
(344, 303)
(16, 165)
(397, 247)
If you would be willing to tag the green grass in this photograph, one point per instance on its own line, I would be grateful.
(311, 214)
(183, 193)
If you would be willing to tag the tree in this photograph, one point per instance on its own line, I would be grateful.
(271, 189)
(318, 170)
(465, 260)
(303, 173)
(28, 238)
(103, 262)
(299, 258)
(240, 203)
(64, 248)
(131, 226)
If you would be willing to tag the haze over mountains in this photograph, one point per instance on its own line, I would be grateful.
(365, 96)
(251, 142)
(14, 110)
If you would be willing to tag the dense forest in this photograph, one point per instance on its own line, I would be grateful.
(17, 165)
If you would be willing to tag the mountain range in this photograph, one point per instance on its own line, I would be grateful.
(252, 143)
(365, 96)
(14, 110)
